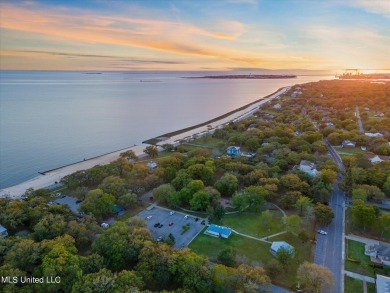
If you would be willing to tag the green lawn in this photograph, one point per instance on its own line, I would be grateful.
(303, 252)
(371, 288)
(351, 151)
(352, 285)
(251, 249)
(357, 262)
(210, 141)
(250, 223)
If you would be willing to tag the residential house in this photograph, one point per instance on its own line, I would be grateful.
(3, 232)
(152, 165)
(379, 253)
(348, 144)
(373, 134)
(248, 154)
(377, 159)
(218, 231)
(379, 115)
(382, 284)
(233, 151)
(277, 245)
(308, 167)
(277, 106)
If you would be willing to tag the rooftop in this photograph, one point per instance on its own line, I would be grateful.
(276, 245)
(219, 229)
(382, 284)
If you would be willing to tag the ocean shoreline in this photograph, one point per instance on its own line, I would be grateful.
(49, 177)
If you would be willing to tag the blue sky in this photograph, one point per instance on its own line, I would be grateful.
(195, 35)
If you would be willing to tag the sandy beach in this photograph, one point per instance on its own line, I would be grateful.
(51, 177)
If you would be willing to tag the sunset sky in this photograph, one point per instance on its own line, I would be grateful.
(194, 35)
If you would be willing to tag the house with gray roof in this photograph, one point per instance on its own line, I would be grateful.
(278, 245)
(379, 253)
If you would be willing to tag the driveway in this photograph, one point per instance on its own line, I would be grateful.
(162, 216)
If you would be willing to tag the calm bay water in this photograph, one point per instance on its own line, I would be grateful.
(53, 118)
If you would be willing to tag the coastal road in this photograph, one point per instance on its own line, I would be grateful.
(359, 120)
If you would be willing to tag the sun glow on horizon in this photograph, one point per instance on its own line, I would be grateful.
(186, 36)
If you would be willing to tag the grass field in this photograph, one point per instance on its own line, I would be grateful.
(357, 262)
(303, 252)
(351, 151)
(251, 223)
(251, 249)
(210, 141)
(352, 285)
(131, 213)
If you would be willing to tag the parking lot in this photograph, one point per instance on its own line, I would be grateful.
(162, 216)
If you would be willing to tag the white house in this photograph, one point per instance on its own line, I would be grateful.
(277, 245)
(152, 165)
(378, 253)
(382, 284)
(348, 144)
(308, 167)
(373, 134)
(277, 106)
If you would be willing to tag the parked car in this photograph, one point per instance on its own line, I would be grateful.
(170, 223)
(322, 232)
(148, 217)
(156, 225)
(196, 219)
(159, 226)
(203, 222)
(171, 213)
(104, 225)
(186, 217)
(158, 239)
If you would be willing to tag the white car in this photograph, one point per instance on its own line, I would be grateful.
(148, 217)
(104, 225)
(171, 213)
(322, 232)
(186, 217)
(159, 238)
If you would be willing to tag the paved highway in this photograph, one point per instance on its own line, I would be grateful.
(329, 249)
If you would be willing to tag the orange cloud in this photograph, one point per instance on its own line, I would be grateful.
(83, 26)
